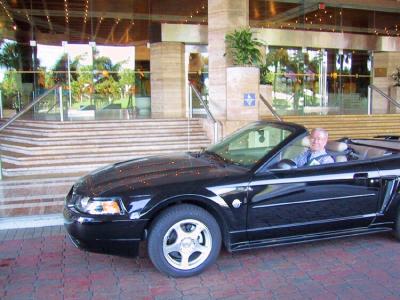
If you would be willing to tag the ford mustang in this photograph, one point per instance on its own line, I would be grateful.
(242, 193)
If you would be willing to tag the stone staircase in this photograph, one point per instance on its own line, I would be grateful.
(353, 126)
(41, 160)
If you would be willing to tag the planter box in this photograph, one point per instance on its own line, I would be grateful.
(266, 92)
(243, 94)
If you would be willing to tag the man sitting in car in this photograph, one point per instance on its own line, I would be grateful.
(316, 154)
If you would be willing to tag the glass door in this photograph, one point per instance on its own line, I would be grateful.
(197, 73)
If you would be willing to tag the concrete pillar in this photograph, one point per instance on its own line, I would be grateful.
(167, 67)
(223, 17)
(385, 64)
(243, 97)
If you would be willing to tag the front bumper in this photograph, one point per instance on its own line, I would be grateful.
(107, 234)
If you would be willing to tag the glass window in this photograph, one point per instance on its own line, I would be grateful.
(249, 145)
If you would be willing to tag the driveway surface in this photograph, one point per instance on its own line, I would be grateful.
(42, 263)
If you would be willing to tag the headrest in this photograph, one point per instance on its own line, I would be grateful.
(305, 142)
(336, 146)
(330, 145)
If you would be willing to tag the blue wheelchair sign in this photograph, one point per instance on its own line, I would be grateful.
(249, 99)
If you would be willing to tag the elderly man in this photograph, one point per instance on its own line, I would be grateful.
(316, 154)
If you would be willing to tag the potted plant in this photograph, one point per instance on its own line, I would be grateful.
(395, 89)
(242, 78)
(396, 77)
(242, 48)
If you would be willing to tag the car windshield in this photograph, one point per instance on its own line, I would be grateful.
(250, 144)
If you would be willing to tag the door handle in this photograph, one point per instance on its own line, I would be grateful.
(360, 176)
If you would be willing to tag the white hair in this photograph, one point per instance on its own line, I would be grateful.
(321, 130)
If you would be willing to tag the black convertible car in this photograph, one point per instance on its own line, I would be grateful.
(244, 192)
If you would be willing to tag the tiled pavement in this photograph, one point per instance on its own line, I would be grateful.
(42, 263)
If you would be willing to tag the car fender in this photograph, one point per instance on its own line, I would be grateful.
(220, 210)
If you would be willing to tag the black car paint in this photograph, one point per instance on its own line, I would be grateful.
(146, 186)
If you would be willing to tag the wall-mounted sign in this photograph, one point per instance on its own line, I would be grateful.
(380, 72)
(249, 99)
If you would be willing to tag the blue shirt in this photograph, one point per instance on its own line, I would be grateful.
(313, 158)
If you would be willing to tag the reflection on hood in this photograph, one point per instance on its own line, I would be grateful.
(151, 171)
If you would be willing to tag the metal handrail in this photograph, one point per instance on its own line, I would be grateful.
(382, 93)
(276, 115)
(208, 112)
(28, 107)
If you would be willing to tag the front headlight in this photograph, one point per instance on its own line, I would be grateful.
(99, 206)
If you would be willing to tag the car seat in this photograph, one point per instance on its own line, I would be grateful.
(338, 150)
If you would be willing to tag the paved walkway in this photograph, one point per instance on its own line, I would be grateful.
(41, 263)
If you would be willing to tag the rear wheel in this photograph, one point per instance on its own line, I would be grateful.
(184, 240)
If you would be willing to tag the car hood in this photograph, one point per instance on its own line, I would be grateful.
(153, 171)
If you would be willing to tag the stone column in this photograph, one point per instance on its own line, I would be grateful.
(385, 64)
(167, 67)
(243, 94)
(223, 17)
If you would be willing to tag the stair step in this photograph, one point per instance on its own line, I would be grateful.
(82, 140)
(105, 123)
(96, 148)
(351, 125)
(104, 132)
(83, 158)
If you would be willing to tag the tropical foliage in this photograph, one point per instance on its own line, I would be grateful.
(396, 77)
(10, 56)
(8, 89)
(60, 69)
(103, 80)
(243, 48)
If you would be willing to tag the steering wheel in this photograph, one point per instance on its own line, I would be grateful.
(285, 164)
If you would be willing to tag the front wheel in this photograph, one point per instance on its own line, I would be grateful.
(184, 240)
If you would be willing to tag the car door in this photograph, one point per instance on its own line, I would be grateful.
(312, 199)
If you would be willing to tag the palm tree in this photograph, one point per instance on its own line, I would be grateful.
(10, 56)
(104, 67)
(61, 68)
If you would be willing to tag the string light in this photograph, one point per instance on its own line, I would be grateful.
(86, 11)
(66, 11)
(192, 13)
(7, 12)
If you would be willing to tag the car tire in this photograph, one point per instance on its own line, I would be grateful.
(184, 240)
